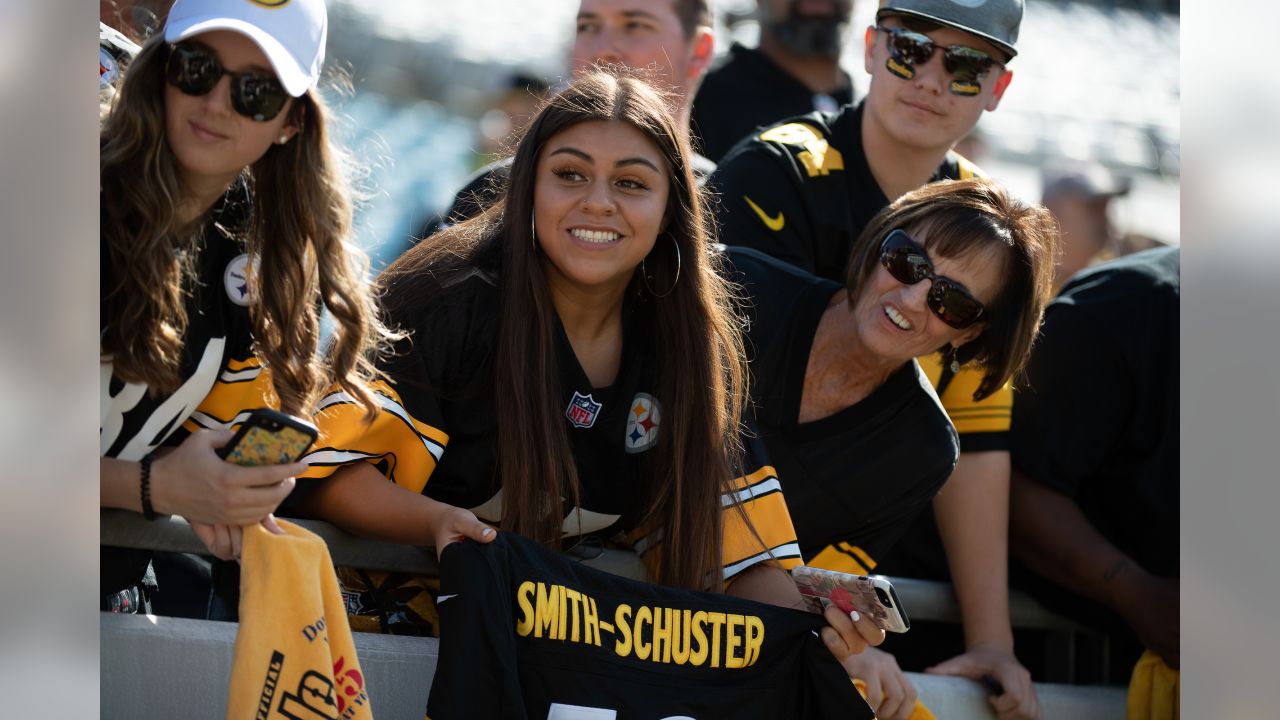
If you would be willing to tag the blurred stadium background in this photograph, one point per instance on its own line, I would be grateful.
(1094, 82)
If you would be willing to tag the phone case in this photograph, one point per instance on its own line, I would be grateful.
(848, 592)
(270, 438)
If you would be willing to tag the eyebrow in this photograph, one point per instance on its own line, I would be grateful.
(628, 14)
(620, 163)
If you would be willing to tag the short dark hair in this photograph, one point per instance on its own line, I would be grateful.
(975, 214)
(693, 14)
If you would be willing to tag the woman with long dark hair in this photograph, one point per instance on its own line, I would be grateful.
(225, 224)
(574, 370)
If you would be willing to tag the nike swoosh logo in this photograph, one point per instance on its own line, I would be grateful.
(442, 598)
(775, 224)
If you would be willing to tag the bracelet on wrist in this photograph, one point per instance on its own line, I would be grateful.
(144, 486)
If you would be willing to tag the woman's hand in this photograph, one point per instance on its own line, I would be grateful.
(225, 541)
(889, 693)
(192, 481)
(451, 524)
(846, 637)
(1019, 697)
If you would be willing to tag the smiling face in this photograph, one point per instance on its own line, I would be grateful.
(211, 141)
(600, 198)
(921, 112)
(641, 34)
(893, 320)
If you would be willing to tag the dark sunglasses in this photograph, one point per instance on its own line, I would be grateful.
(908, 263)
(965, 64)
(195, 71)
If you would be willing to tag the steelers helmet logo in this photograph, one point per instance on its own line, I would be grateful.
(642, 423)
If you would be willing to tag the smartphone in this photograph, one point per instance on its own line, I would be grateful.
(870, 595)
(269, 437)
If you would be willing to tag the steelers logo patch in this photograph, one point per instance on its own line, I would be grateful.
(642, 423)
(236, 280)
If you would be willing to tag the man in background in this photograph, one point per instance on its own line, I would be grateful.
(795, 70)
(669, 39)
(1080, 200)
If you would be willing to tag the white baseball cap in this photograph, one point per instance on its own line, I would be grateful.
(291, 33)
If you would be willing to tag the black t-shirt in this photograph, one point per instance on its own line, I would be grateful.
(1098, 418)
(749, 91)
(529, 633)
(802, 191)
(857, 478)
(221, 376)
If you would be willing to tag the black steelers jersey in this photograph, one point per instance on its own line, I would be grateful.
(528, 633)
(222, 379)
(437, 434)
(856, 479)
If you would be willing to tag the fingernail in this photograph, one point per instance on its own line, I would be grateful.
(486, 532)
(854, 616)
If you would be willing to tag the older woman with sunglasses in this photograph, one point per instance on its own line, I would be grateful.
(225, 219)
(857, 433)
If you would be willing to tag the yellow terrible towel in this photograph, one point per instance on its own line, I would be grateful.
(919, 712)
(294, 657)
(1153, 690)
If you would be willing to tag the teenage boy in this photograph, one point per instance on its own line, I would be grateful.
(803, 189)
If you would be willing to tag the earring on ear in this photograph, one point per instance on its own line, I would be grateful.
(949, 359)
(284, 138)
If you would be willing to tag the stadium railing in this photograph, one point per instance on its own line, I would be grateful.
(175, 667)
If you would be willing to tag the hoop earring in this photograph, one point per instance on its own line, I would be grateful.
(533, 230)
(644, 272)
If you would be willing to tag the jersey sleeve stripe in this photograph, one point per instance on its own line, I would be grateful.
(750, 493)
(833, 558)
(434, 440)
(235, 376)
(858, 552)
(787, 555)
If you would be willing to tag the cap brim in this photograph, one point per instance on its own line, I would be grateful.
(943, 21)
(294, 79)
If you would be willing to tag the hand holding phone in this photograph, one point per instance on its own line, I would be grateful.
(871, 595)
(269, 437)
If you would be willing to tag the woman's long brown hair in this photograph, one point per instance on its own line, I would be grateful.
(298, 230)
(701, 374)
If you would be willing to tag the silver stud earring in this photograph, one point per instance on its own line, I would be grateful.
(284, 138)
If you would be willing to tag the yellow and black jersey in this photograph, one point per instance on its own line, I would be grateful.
(801, 190)
(982, 424)
(222, 379)
(530, 633)
(437, 431)
(857, 478)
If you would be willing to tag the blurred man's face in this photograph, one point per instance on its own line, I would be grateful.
(807, 27)
(641, 34)
(1085, 229)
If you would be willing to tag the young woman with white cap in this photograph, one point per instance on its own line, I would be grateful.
(225, 220)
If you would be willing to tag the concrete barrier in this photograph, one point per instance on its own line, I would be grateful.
(158, 667)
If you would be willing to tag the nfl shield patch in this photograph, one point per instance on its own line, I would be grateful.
(582, 411)
(642, 423)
